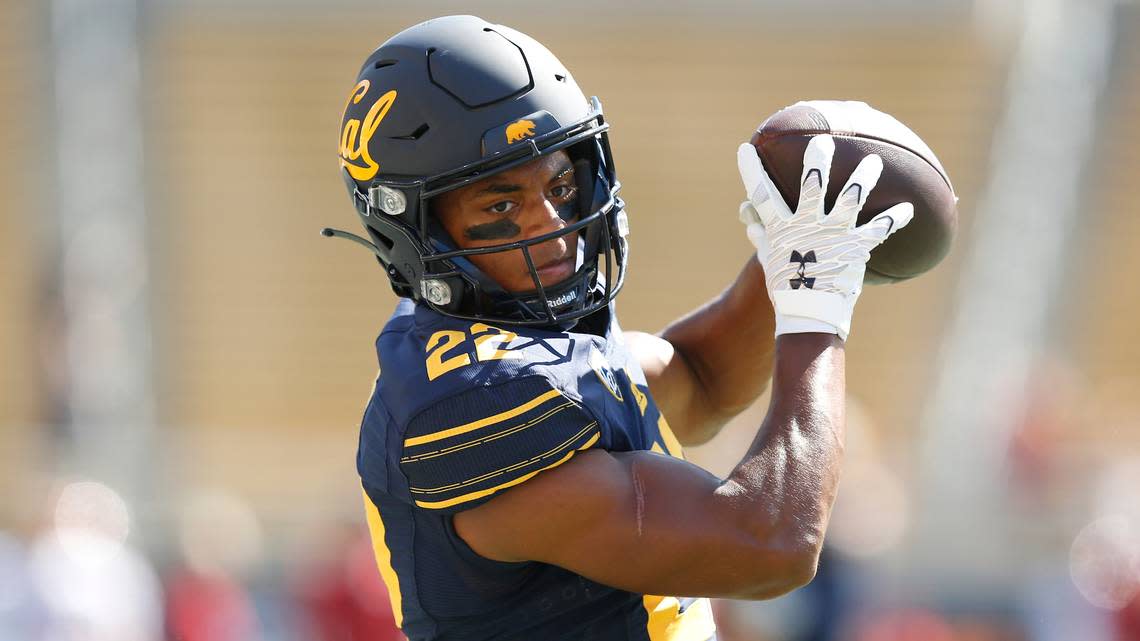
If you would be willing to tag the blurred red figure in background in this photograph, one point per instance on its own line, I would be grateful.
(1127, 621)
(208, 607)
(342, 595)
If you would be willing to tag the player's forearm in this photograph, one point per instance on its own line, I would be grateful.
(728, 344)
(788, 480)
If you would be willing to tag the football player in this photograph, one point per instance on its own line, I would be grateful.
(521, 457)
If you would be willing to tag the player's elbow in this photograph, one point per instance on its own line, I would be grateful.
(803, 568)
(778, 573)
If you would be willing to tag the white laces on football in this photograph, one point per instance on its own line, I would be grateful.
(814, 262)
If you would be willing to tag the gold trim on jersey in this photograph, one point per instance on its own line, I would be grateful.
(561, 447)
(483, 422)
(384, 558)
(497, 435)
(638, 395)
(671, 442)
(435, 505)
(667, 622)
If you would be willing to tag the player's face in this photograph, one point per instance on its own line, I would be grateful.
(530, 200)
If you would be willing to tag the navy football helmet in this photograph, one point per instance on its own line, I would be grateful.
(454, 100)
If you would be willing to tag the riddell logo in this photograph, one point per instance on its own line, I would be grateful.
(519, 130)
(565, 299)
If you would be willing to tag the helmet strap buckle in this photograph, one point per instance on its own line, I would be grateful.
(390, 201)
(435, 291)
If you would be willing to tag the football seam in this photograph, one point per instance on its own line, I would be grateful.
(799, 132)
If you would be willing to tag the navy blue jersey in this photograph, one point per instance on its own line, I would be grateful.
(462, 411)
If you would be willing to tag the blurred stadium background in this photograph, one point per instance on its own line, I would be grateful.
(183, 360)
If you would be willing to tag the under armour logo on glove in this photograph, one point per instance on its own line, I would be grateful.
(803, 259)
(839, 251)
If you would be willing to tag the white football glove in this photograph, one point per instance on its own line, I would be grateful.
(814, 263)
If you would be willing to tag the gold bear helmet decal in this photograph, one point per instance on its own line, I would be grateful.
(519, 130)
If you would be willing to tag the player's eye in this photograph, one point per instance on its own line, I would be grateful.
(501, 207)
(563, 192)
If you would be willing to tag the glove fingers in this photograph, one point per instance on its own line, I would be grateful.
(855, 193)
(748, 162)
(760, 190)
(888, 222)
(813, 181)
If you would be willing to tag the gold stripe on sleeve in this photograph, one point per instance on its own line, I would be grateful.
(554, 451)
(483, 422)
(487, 439)
(436, 505)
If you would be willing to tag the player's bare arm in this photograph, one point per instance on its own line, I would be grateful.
(659, 525)
(711, 364)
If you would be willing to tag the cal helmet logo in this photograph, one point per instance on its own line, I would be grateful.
(354, 138)
(605, 374)
(519, 130)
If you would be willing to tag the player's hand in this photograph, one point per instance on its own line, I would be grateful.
(814, 263)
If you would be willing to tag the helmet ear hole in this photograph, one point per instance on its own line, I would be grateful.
(399, 281)
(382, 241)
(383, 246)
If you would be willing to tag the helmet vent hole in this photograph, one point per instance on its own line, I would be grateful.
(383, 240)
(560, 77)
(380, 64)
(431, 50)
(415, 135)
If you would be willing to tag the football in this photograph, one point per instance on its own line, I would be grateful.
(911, 173)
